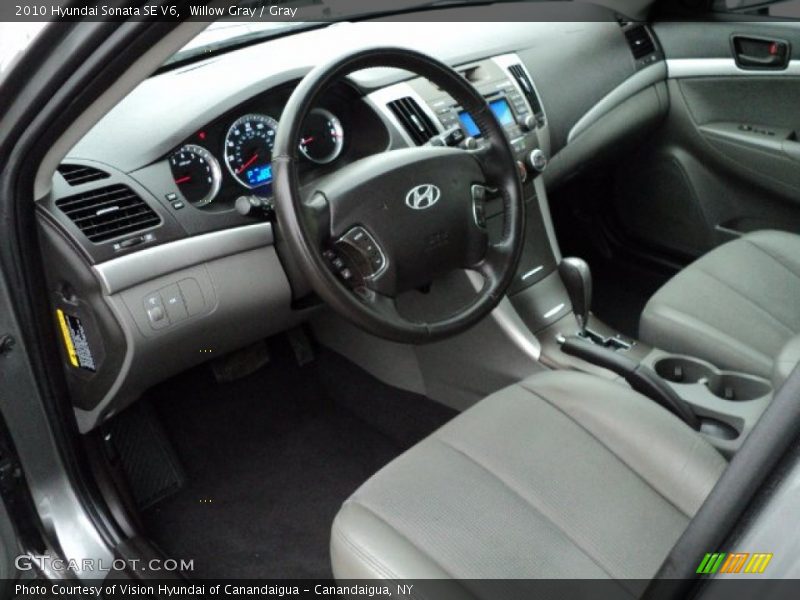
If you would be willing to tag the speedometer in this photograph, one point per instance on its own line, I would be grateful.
(248, 150)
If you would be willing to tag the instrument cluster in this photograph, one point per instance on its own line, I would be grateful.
(245, 148)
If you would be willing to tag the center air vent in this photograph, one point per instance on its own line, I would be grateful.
(640, 41)
(530, 92)
(108, 212)
(413, 119)
(78, 174)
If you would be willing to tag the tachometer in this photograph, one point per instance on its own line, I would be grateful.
(323, 136)
(248, 149)
(196, 173)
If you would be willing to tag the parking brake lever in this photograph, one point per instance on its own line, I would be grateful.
(641, 378)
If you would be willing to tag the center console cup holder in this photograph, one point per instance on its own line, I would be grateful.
(723, 384)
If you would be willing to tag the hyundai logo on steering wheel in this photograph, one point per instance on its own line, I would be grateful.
(423, 196)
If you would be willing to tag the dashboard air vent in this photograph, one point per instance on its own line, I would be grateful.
(108, 212)
(640, 41)
(530, 92)
(78, 174)
(413, 119)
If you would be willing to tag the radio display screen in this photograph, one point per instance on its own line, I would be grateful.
(501, 110)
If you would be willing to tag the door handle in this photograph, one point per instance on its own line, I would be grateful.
(764, 61)
(760, 53)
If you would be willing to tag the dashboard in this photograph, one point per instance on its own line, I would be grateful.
(159, 234)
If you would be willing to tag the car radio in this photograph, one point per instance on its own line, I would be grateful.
(509, 94)
(501, 109)
(516, 121)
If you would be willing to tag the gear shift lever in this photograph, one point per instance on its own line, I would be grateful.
(577, 278)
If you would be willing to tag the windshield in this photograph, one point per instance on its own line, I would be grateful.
(228, 34)
(248, 21)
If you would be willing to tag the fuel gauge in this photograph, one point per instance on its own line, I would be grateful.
(322, 137)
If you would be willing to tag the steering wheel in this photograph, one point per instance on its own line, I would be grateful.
(396, 221)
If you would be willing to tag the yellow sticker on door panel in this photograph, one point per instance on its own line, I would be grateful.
(78, 350)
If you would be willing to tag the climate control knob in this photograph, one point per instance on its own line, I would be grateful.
(528, 123)
(538, 160)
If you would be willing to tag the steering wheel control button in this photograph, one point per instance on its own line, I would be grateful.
(479, 205)
(340, 267)
(357, 235)
(367, 255)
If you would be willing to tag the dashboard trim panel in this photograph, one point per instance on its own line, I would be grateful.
(126, 271)
(627, 89)
(381, 98)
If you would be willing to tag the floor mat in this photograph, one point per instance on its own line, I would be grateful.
(270, 458)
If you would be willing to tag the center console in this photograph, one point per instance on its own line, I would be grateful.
(722, 405)
(735, 400)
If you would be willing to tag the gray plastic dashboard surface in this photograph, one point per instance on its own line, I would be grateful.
(121, 273)
(627, 89)
(245, 298)
(173, 105)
